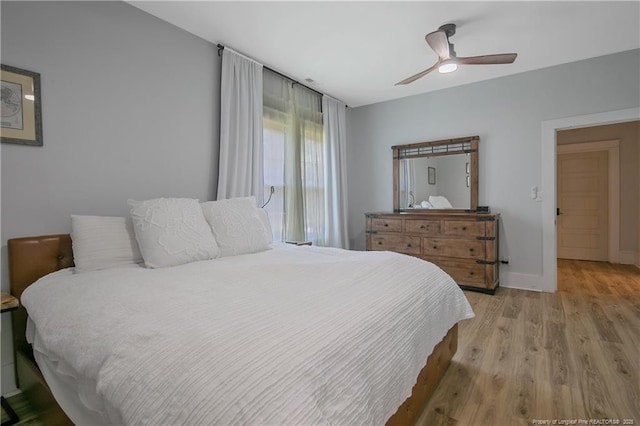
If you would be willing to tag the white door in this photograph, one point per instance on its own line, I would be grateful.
(583, 222)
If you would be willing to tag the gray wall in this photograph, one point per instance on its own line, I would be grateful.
(130, 108)
(507, 113)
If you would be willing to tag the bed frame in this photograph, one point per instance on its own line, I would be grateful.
(33, 257)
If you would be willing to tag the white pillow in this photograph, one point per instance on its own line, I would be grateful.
(101, 242)
(172, 231)
(440, 202)
(237, 225)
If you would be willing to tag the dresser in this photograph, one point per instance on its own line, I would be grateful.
(465, 245)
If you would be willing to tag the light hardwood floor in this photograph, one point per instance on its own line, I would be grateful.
(573, 355)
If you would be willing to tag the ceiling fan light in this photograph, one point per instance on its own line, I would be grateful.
(447, 67)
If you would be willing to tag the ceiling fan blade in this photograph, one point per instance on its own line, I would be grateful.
(439, 42)
(417, 76)
(503, 58)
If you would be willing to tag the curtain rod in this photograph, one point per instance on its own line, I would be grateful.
(221, 48)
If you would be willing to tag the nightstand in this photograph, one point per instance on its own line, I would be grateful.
(9, 303)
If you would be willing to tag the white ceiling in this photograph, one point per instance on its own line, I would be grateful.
(357, 51)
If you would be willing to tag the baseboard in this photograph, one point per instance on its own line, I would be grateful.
(521, 281)
(629, 258)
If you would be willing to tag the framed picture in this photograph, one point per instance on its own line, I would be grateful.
(467, 168)
(432, 175)
(21, 112)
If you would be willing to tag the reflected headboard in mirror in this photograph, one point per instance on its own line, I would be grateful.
(436, 176)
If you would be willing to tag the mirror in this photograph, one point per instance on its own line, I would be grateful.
(439, 175)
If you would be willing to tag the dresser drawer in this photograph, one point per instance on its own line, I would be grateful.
(386, 225)
(422, 226)
(463, 228)
(397, 243)
(450, 247)
(463, 272)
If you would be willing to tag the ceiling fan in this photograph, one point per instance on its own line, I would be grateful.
(447, 59)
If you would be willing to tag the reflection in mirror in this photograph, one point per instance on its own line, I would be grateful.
(448, 182)
(438, 175)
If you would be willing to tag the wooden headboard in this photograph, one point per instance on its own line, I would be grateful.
(31, 258)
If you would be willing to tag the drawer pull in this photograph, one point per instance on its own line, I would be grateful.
(435, 247)
(386, 224)
(379, 243)
(471, 250)
(421, 226)
(408, 245)
(470, 273)
(464, 228)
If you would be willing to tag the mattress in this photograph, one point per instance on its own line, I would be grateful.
(293, 335)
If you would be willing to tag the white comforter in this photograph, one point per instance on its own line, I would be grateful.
(293, 335)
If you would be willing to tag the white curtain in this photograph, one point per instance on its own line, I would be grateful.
(241, 163)
(335, 173)
(294, 160)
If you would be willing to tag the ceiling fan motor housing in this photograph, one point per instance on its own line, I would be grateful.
(449, 29)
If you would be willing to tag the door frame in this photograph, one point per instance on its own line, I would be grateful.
(548, 174)
(612, 147)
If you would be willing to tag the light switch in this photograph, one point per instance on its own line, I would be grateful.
(534, 192)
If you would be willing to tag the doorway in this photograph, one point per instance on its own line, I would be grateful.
(550, 129)
(589, 194)
(589, 197)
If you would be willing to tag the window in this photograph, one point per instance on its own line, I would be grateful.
(293, 160)
(273, 154)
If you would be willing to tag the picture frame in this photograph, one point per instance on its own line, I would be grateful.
(21, 108)
(432, 175)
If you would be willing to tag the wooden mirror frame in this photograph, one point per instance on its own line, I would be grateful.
(466, 145)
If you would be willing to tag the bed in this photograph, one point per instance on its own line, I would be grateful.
(121, 392)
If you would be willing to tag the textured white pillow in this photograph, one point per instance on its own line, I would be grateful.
(101, 242)
(237, 225)
(172, 231)
(440, 202)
